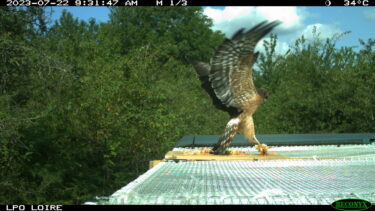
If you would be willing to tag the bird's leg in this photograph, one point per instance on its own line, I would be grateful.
(262, 148)
(251, 138)
(255, 140)
(249, 131)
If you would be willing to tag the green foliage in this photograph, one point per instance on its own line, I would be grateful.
(79, 119)
(317, 88)
(184, 30)
(85, 106)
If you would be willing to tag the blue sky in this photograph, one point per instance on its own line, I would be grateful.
(83, 13)
(296, 21)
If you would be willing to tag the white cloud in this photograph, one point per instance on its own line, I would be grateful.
(230, 19)
(369, 14)
(288, 15)
(324, 31)
(227, 14)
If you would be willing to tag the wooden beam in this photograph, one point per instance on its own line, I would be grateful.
(154, 163)
(233, 155)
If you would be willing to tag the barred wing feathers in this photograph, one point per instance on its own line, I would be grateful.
(231, 69)
(203, 70)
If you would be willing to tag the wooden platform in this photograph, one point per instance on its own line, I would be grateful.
(233, 155)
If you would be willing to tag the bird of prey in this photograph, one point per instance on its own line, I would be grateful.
(229, 82)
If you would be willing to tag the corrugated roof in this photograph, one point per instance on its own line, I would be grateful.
(248, 182)
(312, 174)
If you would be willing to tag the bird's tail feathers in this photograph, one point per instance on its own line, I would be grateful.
(229, 134)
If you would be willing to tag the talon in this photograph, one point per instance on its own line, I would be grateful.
(262, 149)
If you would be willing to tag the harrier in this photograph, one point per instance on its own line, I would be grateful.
(228, 80)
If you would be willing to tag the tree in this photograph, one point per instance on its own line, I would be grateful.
(85, 106)
(317, 88)
(185, 30)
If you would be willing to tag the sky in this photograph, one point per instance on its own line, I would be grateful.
(296, 21)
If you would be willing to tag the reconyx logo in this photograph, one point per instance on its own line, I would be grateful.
(351, 204)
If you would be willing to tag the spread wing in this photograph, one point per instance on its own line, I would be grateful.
(231, 69)
(203, 70)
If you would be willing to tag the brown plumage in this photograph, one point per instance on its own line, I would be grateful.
(229, 82)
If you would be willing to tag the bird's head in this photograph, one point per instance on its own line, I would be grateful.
(263, 93)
